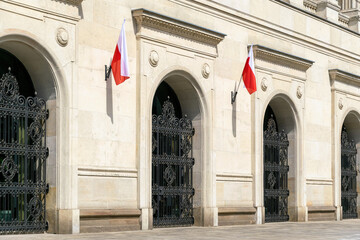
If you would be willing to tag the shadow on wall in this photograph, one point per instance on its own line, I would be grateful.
(234, 119)
(109, 99)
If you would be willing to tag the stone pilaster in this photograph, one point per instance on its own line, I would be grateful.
(68, 221)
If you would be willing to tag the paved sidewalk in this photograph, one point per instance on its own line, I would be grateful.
(344, 230)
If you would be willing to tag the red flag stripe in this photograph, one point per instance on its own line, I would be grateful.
(116, 67)
(119, 64)
(248, 73)
(249, 77)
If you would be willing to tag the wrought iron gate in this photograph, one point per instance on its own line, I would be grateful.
(275, 173)
(348, 176)
(23, 156)
(172, 163)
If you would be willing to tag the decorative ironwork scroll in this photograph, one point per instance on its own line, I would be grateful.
(275, 173)
(23, 156)
(348, 176)
(172, 164)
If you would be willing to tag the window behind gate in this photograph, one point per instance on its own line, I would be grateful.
(23, 156)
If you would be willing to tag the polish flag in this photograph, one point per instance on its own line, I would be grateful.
(119, 64)
(248, 73)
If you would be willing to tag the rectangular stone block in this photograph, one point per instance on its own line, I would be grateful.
(109, 220)
(321, 213)
(236, 216)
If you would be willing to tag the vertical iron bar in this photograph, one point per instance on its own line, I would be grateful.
(43, 176)
(158, 173)
(26, 162)
(179, 154)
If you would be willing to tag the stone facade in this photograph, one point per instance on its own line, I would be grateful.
(307, 54)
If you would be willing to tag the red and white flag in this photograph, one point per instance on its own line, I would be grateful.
(248, 73)
(119, 64)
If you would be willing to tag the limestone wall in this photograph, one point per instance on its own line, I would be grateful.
(100, 137)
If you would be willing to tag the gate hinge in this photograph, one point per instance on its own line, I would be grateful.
(193, 131)
(46, 226)
(47, 152)
(47, 114)
(47, 188)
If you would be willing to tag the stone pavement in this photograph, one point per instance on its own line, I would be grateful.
(343, 230)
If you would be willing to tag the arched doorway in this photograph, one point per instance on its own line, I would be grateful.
(172, 161)
(23, 150)
(281, 173)
(276, 170)
(350, 143)
(50, 80)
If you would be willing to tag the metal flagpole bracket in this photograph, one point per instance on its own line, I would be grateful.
(233, 96)
(235, 92)
(107, 72)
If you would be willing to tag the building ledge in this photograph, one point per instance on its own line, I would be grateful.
(344, 19)
(321, 209)
(342, 76)
(311, 5)
(281, 58)
(146, 18)
(71, 2)
(236, 210)
(309, 10)
(93, 213)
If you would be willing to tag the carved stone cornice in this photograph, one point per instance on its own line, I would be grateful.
(311, 5)
(281, 58)
(153, 20)
(71, 2)
(345, 77)
(351, 13)
(344, 19)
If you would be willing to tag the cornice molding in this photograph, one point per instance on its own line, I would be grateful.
(352, 14)
(342, 76)
(71, 2)
(281, 58)
(146, 18)
(315, 15)
(343, 18)
(311, 5)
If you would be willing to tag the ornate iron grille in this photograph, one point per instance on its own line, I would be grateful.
(172, 163)
(348, 176)
(275, 173)
(23, 156)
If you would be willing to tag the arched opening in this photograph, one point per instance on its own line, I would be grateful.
(279, 156)
(23, 150)
(350, 179)
(35, 70)
(177, 101)
(36, 64)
